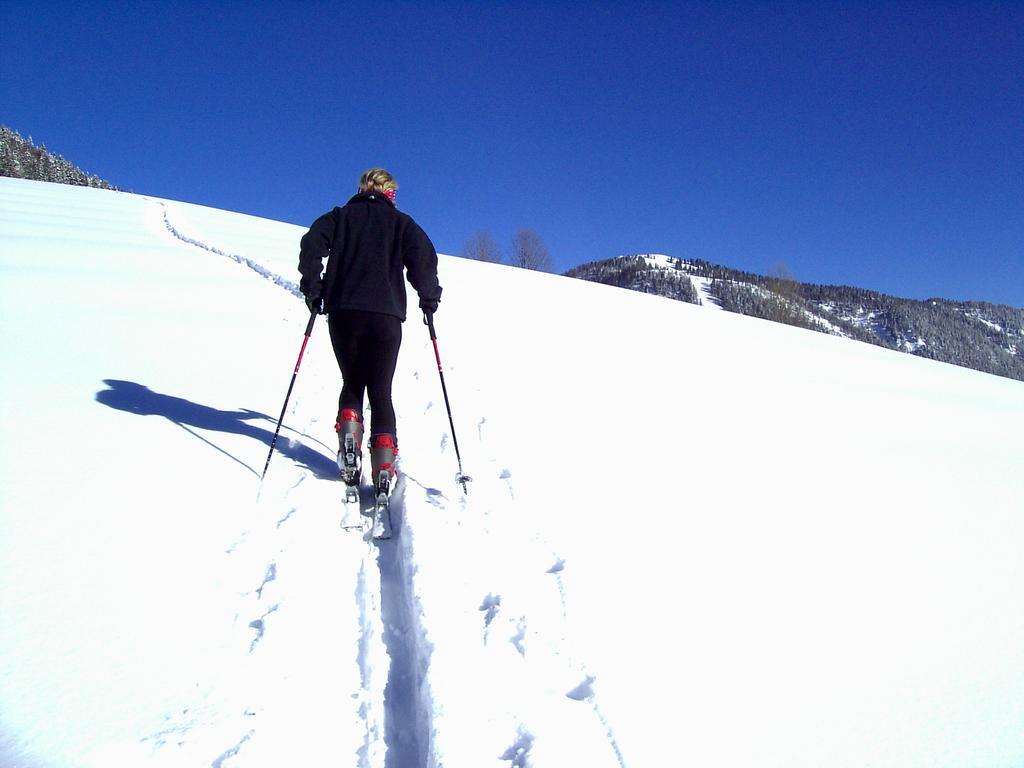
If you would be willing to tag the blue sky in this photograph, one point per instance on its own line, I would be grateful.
(871, 144)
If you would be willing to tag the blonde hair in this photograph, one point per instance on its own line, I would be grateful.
(377, 180)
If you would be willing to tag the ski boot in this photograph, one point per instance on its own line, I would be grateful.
(350, 454)
(383, 456)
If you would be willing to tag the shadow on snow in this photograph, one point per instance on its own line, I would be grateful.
(142, 401)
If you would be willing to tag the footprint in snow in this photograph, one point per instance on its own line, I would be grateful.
(260, 625)
(519, 753)
(519, 638)
(490, 607)
(268, 577)
(285, 519)
(556, 570)
(584, 690)
(232, 751)
(506, 475)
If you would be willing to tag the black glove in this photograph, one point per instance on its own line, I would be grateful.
(315, 304)
(429, 305)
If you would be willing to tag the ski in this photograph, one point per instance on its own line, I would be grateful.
(352, 517)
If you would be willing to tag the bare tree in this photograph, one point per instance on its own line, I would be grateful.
(482, 247)
(780, 271)
(529, 251)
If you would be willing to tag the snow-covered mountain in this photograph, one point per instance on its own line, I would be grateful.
(693, 537)
(985, 337)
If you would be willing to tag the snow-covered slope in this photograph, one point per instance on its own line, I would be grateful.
(692, 538)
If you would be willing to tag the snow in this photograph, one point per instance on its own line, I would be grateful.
(914, 345)
(985, 321)
(659, 560)
(824, 323)
(703, 287)
(660, 261)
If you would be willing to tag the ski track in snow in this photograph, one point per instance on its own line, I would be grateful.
(407, 715)
(262, 271)
(371, 687)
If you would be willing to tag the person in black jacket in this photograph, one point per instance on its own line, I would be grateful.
(370, 246)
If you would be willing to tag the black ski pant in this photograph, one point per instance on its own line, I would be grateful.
(366, 345)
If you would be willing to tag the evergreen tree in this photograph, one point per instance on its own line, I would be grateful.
(21, 159)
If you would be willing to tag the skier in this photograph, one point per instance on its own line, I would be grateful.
(368, 243)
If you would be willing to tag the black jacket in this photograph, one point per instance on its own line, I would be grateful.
(368, 242)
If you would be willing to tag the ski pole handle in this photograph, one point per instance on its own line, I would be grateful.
(305, 341)
(429, 319)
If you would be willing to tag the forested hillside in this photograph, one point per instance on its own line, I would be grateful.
(20, 158)
(985, 337)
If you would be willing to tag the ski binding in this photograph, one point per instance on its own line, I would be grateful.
(382, 508)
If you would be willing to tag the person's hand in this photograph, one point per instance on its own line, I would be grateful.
(429, 306)
(315, 304)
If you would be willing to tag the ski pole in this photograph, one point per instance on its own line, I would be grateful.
(462, 478)
(305, 341)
